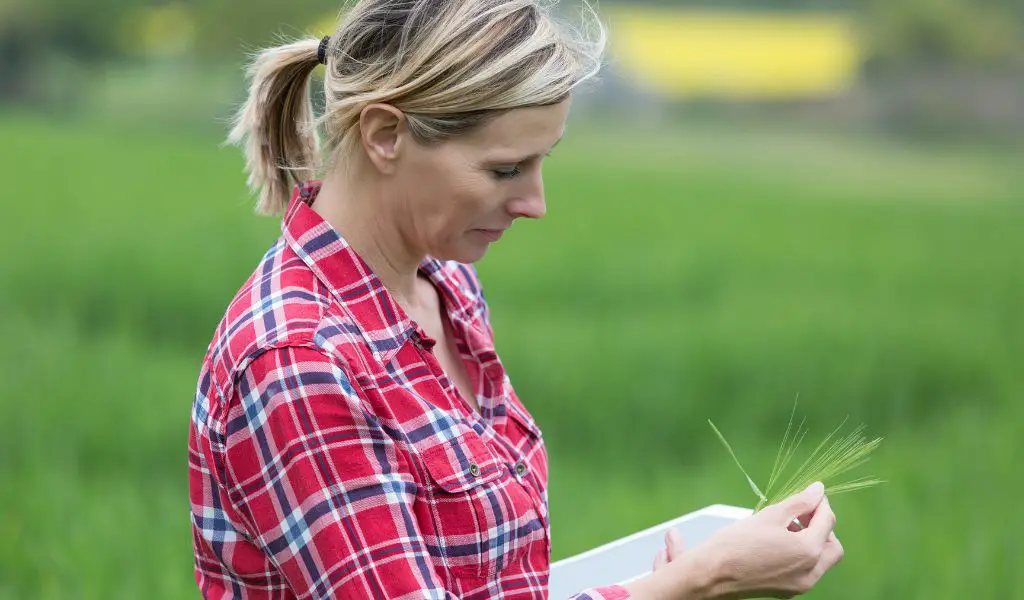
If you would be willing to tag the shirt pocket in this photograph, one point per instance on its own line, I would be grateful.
(482, 519)
(524, 433)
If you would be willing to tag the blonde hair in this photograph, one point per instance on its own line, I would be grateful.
(448, 65)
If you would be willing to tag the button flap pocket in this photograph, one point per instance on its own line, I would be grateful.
(462, 463)
(515, 413)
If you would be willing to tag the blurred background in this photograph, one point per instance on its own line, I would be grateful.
(759, 200)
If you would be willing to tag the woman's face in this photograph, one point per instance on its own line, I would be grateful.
(456, 198)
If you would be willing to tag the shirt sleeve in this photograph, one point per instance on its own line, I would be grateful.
(326, 493)
(611, 592)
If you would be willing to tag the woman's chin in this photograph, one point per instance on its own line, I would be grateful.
(468, 252)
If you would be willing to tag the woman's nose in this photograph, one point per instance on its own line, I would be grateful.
(531, 204)
(531, 207)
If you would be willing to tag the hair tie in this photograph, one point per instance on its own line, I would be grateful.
(321, 52)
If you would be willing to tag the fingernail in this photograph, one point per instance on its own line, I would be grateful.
(816, 488)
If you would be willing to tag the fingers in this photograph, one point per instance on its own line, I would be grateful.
(822, 522)
(674, 548)
(837, 549)
(832, 554)
(797, 505)
(660, 560)
(674, 543)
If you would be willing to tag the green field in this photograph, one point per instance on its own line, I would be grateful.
(678, 277)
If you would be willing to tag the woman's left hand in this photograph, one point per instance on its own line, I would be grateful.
(674, 547)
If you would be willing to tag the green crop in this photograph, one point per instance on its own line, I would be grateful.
(834, 456)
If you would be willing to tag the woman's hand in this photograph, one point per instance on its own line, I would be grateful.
(674, 547)
(764, 555)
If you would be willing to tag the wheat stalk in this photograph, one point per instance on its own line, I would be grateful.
(825, 463)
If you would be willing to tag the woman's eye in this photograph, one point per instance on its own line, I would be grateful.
(507, 173)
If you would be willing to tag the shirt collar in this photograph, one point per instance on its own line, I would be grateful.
(372, 309)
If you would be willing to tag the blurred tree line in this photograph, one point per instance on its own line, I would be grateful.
(39, 38)
(104, 29)
(917, 52)
(898, 33)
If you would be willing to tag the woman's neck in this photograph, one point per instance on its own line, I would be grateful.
(356, 210)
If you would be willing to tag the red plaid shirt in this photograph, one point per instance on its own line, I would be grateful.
(329, 456)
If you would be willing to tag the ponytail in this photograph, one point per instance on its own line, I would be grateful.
(275, 126)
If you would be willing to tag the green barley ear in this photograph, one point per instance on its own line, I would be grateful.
(786, 452)
(826, 462)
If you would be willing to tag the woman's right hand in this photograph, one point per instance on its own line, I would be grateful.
(762, 556)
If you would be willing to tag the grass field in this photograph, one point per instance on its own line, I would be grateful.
(678, 277)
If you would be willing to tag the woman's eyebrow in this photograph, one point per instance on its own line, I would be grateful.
(532, 156)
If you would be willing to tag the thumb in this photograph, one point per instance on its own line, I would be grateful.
(675, 544)
(798, 505)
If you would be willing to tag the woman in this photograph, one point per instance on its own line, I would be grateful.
(354, 432)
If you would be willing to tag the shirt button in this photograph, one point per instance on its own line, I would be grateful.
(474, 470)
(521, 468)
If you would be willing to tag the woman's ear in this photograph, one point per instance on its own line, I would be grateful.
(381, 127)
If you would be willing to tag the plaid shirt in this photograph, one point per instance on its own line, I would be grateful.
(329, 455)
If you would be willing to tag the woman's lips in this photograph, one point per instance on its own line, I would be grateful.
(491, 235)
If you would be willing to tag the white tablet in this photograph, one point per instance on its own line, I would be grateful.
(631, 557)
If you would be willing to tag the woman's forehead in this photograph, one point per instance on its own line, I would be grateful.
(527, 131)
